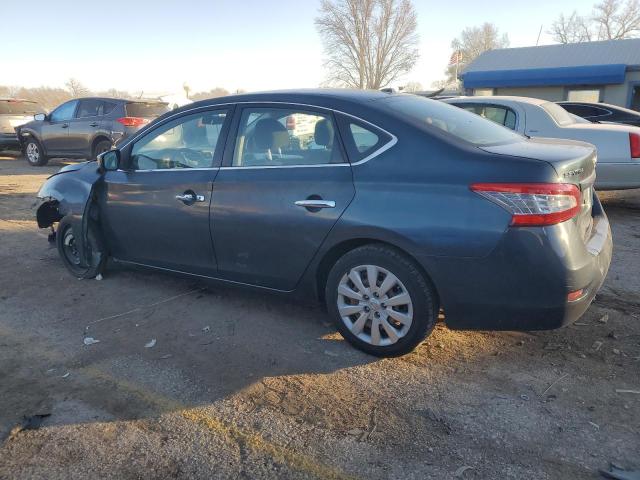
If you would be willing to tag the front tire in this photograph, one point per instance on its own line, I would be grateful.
(34, 153)
(70, 254)
(380, 301)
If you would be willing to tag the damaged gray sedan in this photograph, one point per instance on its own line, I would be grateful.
(387, 208)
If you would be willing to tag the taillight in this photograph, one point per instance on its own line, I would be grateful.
(132, 121)
(533, 204)
(634, 143)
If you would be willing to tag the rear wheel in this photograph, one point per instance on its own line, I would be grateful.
(34, 153)
(101, 147)
(69, 251)
(380, 301)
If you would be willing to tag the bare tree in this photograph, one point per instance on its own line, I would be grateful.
(213, 93)
(610, 20)
(368, 43)
(411, 87)
(471, 43)
(76, 88)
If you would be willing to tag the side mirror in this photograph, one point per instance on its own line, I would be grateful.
(39, 117)
(109, 161)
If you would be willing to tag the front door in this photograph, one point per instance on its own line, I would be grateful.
(284, 185)
(156, 209)
(55, 129)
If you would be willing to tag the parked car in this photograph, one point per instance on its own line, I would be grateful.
(414, 206)
(13, 113)
(618, 145)
(85, 127)
(602, 112)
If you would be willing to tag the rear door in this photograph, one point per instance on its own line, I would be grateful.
(55, 129)
(156, 210)
(284, 183)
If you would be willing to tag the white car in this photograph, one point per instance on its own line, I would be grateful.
(618, 145)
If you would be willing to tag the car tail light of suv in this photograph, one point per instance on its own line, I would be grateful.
(533, 204)
(634, 143)
(133, 121)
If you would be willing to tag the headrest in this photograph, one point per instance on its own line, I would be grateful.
(324, 133)
(270, 134)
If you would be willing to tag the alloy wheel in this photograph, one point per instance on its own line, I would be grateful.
(375, 305)
(33, 152)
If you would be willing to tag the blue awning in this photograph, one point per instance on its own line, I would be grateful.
(542, 77)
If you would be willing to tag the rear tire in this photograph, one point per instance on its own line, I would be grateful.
(34, 153)
(386, 316)
(69, 253)
(101, 147)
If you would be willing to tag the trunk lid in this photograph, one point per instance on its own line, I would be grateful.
(573, 161)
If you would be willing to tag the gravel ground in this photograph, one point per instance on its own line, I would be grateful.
(244, 385)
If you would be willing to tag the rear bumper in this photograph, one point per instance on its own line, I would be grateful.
(9, 141)
(523, 284)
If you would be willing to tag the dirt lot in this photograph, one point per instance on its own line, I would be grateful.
(242, 385)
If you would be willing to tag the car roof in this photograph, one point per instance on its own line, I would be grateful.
(313, 96)
(501, 98)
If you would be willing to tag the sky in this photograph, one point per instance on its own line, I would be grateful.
(157, 46)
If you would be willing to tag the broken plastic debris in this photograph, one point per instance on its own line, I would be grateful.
(99, 276)
(597, 345)
(206, 329)
(151, 344)
(604, 318)
(90, 340)
(66, 375)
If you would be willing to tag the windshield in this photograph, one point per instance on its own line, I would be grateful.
(453, 120)
(559, 114)
(18, 107)
(148, 110)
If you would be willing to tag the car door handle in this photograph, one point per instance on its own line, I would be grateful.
(64, 125)
(189, 198)
(316, 203)
(94, 124)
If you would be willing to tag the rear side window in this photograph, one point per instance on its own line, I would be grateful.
(90, 108)
(454, 121)
(17, 107)
(108, 107)
(146, 109)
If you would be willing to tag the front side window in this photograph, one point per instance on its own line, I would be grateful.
(64, 112)
(454, 121)
(284, 136)
(187, 142)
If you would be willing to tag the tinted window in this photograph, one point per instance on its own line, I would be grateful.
(146, 109)
(108, 107)
(90, 108)
(64, 111)
(280, 136)
(455, 121)
(18, 107)
(558, 114)
(583, 110)
(363, 138)
(187, 142)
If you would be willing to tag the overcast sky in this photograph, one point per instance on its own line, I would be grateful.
(156, 46)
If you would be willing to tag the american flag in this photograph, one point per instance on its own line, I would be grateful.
(456, 58)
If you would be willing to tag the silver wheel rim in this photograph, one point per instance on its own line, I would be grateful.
(375, 305)
(33, 153)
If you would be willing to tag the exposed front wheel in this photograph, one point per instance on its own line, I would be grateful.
(381, 303)
(34, 153)
(69, 250)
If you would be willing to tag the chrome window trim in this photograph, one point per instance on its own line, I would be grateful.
(369, 157)
(200, 169)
